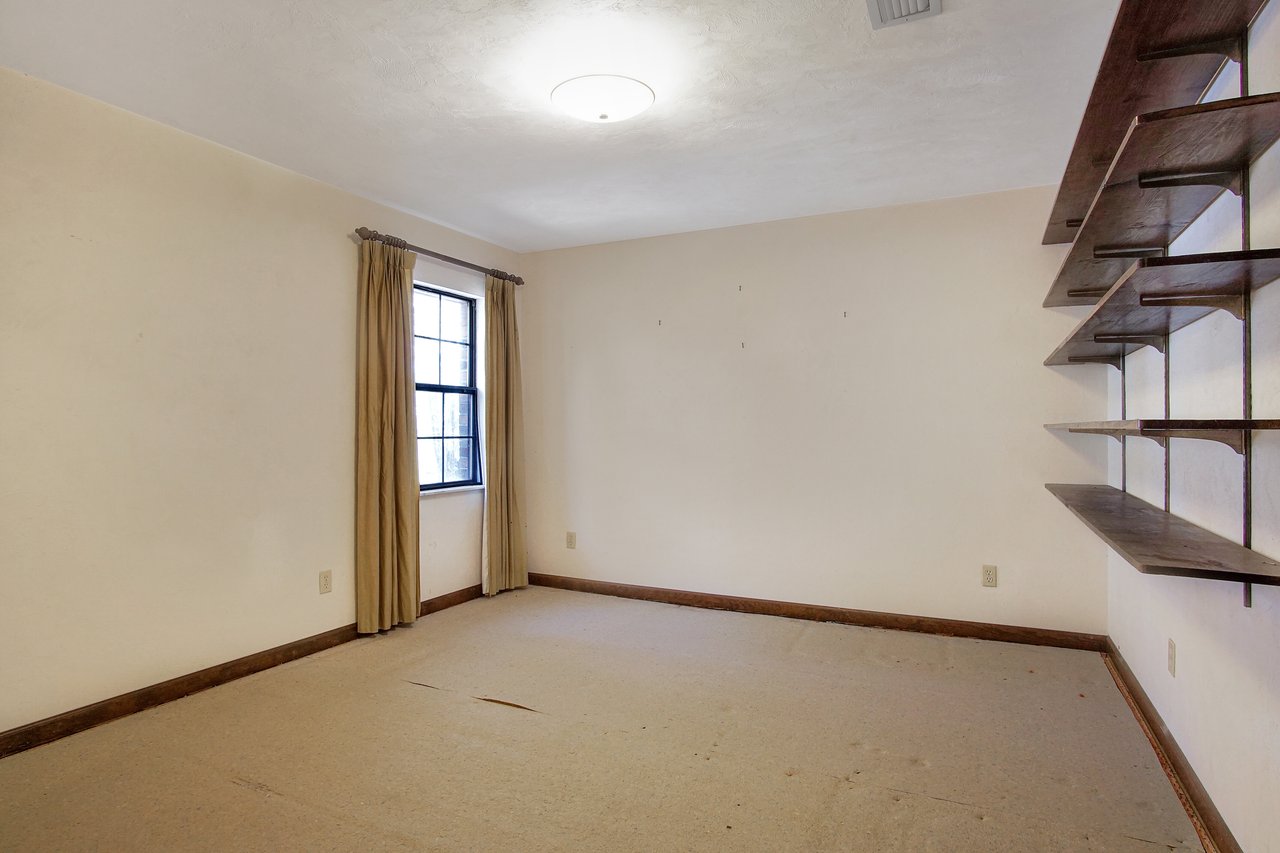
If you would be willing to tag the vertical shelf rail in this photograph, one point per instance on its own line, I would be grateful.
(1168, 408)
(1124, 415)
(1246, 329)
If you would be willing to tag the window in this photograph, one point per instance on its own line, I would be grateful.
(444, 373)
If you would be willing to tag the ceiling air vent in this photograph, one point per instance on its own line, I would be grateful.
(886, 13)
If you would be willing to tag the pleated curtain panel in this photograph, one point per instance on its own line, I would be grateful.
(504, 563)
(387, 592)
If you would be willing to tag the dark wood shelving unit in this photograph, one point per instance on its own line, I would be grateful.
(1159, 543)
(1162, 54)
(1157, 296)
(1229, 431)
(1171, 166)
(1149, 160)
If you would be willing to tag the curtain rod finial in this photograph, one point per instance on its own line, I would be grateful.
(506, 276)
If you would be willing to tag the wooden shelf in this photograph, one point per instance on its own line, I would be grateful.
(1138, 75)
(1157, 296)
(1158, 543)
(1230, 432)
(1170, 168)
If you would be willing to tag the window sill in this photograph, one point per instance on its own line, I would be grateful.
(451, 490)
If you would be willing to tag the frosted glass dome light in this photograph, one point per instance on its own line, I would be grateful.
(602, 98)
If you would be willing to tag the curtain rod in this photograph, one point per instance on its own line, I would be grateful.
(369, 234)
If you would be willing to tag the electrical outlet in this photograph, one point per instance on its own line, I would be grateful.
(571, 540)
(988, 575)
(326, 581)
(1173, 658)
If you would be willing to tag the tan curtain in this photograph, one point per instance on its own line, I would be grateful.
(504, 564)
(386, 441)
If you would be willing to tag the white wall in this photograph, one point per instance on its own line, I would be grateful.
(177, 371)
(1223, 705)
(758, 442)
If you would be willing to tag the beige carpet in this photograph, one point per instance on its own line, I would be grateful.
(652, 728)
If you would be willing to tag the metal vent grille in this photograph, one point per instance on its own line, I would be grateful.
(886, 13)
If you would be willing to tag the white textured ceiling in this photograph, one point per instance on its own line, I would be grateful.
(766, 109)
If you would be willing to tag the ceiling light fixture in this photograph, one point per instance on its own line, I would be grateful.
(602, 98)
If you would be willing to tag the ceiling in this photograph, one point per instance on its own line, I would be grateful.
(766, 109)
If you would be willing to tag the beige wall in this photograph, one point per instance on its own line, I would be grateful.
(1224, 701)
(704, 416)
(177, 366)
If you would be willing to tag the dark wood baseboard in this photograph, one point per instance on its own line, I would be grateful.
(1213, 830)
(824, 613)
(68, 723)
(53, 728)
(449, 599)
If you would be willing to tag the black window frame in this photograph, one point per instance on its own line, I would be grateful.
(470, 389)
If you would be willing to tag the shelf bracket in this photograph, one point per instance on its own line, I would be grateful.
(1103, 253)
(1228, 180)
(1233, 438)
(1116, 361)
(1232, 303)
(1154, 341)
(1118, 435)
(1094, 293)
(1231, 47)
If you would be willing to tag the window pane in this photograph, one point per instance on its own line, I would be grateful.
(455, 319)
(426, 314)
(429, 461)
(457, 414)
(430, 413)
(457, 459)
(426, 361)
(455, 364)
